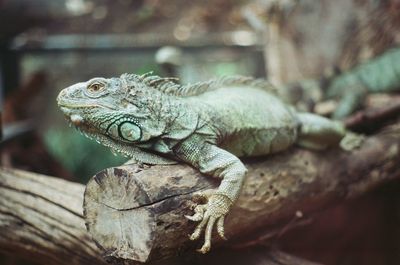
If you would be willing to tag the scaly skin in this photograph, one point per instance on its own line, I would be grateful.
(379, 75)
(207, 125)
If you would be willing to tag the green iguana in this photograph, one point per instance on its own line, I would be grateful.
(207, 125)
(379, 75)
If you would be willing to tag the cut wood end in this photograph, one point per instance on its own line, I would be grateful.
(138, 215)
(113, 200)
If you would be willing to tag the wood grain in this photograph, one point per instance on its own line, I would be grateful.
(138, 214)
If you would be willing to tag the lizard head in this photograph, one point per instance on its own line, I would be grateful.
(122, 109)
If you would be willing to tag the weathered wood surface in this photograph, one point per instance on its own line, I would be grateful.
(251, 256)
(41, 220)
(137, 214)
(374, 117)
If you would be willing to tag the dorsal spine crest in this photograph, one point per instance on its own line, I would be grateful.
(169, 87)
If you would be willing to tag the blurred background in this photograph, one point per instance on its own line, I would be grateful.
(47, 45)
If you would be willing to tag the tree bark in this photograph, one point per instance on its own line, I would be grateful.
(41, 220)
(138, 215)
(251, 256)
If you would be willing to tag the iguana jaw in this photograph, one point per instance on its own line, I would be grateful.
(73, 110)
(67, 106)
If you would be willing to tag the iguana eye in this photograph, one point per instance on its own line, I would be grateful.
(96, 88)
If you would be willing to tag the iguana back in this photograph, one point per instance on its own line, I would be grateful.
(249, 121)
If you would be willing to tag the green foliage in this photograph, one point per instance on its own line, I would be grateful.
(80, 155)
(226, 68)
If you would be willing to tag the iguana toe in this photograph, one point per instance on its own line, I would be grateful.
(215, 211)
(220, 227)
(198, 213)
(205, 248)
(199, 227)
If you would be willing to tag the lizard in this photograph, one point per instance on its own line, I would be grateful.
(378, 75)
(208, 125)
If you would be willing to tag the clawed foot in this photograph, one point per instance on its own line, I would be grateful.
(215, 210)
(352, 141)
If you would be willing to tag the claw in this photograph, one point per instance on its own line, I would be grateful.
(207, 242)
(199, 228)
(220, 227)
(198, 213)
(205, 248)
(194, 236)
(214, 211)
(195, 217)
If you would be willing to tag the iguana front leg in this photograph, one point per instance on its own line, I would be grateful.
(214, 161)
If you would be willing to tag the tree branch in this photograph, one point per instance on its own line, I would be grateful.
(137, 214)
(41, 219)
(372, 118)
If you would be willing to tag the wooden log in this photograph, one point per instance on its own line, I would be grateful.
(41, 220)
(138, 215)
(250, 256)
(373, 118)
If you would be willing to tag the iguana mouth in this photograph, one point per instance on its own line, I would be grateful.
(66, 104)
(74, 105)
